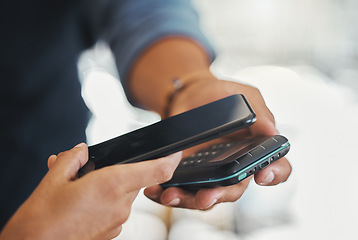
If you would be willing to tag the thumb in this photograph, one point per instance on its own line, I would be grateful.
(51, 160)
(67, 164)
(264, 126)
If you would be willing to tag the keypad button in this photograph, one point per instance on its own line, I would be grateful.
(206, 155)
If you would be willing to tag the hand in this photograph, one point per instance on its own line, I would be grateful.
(203, 92)
(92, 207)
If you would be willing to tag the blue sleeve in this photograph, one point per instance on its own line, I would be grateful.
(136, 24)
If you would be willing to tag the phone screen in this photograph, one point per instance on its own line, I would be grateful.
(175, 133)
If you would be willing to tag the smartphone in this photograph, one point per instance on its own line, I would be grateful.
(228, 163)
(173, 134)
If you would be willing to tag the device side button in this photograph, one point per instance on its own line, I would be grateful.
(242, 176)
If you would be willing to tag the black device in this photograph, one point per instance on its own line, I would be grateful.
(228, 163)
(173, 134)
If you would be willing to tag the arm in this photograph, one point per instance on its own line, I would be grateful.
(92, 207)
(160, 41)
(137, 27)
(152, 75)
(150, 84)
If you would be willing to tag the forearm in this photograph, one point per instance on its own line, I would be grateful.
(151, 77)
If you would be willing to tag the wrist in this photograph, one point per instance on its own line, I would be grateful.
(180, 85)
(151, 77)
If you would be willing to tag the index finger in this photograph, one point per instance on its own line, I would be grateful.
(149, 173)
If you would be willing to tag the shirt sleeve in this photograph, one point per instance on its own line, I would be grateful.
(132, 26)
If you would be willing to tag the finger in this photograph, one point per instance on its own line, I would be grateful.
(68, 163)
(114, 232)
(154, 192)
(177, 197)
(265, 120)
(149, 173)
(207, 198)
(51, 160)
(277, 172)
(263, 127)
(203, 199)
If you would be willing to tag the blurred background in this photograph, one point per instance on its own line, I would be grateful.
(320, 33)
(303, 56)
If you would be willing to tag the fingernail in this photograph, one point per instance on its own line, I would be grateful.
(211, 204)
(268, 179)
(174, 202)
(79, 145)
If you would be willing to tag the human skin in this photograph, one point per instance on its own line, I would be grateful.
(92, 207)
(150, 84)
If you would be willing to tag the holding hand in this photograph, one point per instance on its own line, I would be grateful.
(201, 92)
(150, 84)
(92, 207)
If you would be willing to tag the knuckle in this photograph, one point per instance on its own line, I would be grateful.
(164, 172)
(114, 232)
(70, 154)
(121, 215)
(271, 117)
(61, 154)
(255, 90)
